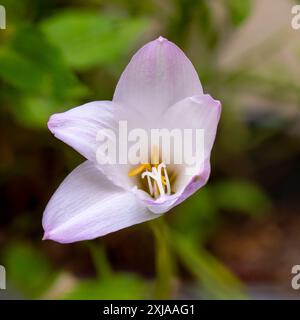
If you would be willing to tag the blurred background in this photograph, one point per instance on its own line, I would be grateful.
(238, 237)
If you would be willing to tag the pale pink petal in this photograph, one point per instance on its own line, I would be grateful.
(158, 76)
(87, 205)
(78, 127)
(197, 112)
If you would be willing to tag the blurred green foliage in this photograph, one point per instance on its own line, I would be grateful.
(238, 10)
(29, 270)
(122, 287)
(216, 281)
(55, 55)
(89, 39)
(202, 209)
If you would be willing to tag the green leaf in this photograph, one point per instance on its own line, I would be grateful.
(43, 83)
(241, 196)
(34, 111)
(88, 38)
(59, 81)
(119, 286)
(28, 270)
(107, 284)
(216, 280)
(17, 10)
(239, 10)
(20, 72)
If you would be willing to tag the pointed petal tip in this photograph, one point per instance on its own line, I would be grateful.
(205, 98)
(161, 39)
(52, 123)
(159, 75)
(45, 237)
(55, 121)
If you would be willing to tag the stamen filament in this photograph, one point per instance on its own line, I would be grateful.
(161, 183)
(167, 181)
(139, 169)
(149, 184)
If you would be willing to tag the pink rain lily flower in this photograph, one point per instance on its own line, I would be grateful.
(158, 89)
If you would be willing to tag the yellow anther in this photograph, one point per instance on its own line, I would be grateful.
(156, 173)
(135, 171)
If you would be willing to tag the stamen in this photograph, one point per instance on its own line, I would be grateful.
(165, 176)
(135, 171)
(161, 182)
(149, 184)
(157, 180)
(167, 181)
(156, 193)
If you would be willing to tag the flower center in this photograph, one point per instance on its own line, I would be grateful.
(156, 174)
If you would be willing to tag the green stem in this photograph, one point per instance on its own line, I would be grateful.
(100, 260)
(163, 260)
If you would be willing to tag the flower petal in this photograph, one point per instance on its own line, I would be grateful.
(78, 127)
(158, 76)
(197, 112)
(87, 205)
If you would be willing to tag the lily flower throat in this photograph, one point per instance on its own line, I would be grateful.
(156, 174)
